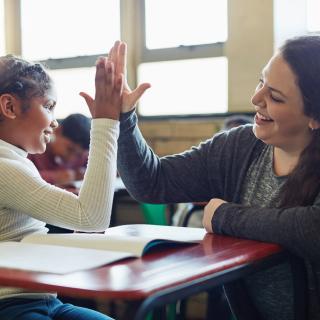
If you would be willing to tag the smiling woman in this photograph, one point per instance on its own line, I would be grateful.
(261, 182)
(277, 99)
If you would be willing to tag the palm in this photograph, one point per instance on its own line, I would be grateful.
(118, 55)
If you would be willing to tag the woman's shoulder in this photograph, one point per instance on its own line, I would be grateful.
(241, 134)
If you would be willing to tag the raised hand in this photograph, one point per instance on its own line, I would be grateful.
(118, 56)
(109, 88)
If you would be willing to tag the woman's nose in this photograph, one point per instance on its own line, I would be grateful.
(258, 98)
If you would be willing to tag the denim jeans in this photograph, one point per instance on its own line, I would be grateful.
(48, 308)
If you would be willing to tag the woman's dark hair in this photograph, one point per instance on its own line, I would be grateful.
(303, 56)
(23, 78)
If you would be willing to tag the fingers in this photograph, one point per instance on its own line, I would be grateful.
(89, 101)
(118, 89)
(207, 216)
(118, 55)
(139, 91)
(122, 60)
(100, 78)
(109, 78)
(109, 87)
(114, 53)
(119, 84)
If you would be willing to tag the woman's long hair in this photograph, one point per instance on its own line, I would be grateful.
(303, 56)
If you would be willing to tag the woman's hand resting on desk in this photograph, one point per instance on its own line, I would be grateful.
(118, 56)
(209, 211)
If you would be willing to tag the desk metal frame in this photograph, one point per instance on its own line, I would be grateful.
(225, 277)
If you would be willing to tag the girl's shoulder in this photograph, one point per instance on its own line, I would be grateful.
(11, 161)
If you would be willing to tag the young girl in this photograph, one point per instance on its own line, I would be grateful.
(264, 180)
(27, 202)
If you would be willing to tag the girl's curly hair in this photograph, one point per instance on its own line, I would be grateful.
(23, 78)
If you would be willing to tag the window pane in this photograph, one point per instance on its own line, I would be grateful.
(2, 42)
(69, 82)
(195, 86)
(313, 15)
(172, 23)
(65, 28)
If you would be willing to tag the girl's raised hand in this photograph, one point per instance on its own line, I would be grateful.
(109, 89)
(118, 55)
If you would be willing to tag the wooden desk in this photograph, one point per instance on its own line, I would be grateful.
(162, 276)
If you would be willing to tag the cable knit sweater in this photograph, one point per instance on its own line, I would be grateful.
(27, 202)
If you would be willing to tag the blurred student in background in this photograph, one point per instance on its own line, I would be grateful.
(66, 156)
(236, 121)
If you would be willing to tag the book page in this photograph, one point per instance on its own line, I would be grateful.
(90, 241)
(126, 238)
(154, 235)
(155, 232)
(54, 259)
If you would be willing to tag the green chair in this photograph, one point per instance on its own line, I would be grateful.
(154, 213)
(157, 214)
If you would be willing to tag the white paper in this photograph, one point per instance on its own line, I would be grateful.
(54, 259)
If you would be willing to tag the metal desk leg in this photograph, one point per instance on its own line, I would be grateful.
(299, 276)
(240, 302)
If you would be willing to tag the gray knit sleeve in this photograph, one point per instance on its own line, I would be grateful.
(296, 228)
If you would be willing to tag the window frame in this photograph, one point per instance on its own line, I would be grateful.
(211, 50)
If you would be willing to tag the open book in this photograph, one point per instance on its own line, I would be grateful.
(64, 253)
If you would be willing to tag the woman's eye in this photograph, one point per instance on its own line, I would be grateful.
(275, 99)
(260, 84)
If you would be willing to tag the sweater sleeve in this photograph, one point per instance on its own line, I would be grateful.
(29, 194)
(178, 178)
(215, 168)
(296, 228)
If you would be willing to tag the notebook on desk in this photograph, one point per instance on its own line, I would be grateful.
(64, 253)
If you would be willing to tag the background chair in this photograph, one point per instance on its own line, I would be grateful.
(154, 213)
(158, 214)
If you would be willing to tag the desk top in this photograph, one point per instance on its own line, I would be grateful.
(139, 278)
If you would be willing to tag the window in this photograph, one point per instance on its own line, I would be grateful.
(69, 83)
(166, 39)
(68, 36)
(59, 28)
(313, 15)
(195, 86)
(183, 43)
(2, 41)
(173, 23)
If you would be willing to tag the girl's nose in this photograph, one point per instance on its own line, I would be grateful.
(54, 124)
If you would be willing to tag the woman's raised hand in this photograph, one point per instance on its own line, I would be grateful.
(109, 90)
(118, 56)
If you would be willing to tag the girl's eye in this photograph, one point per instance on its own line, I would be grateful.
(49, 107)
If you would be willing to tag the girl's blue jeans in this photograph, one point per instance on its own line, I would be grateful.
(48, 308)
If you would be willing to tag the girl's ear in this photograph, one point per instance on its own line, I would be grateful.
(8, 106)
(314, 124)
